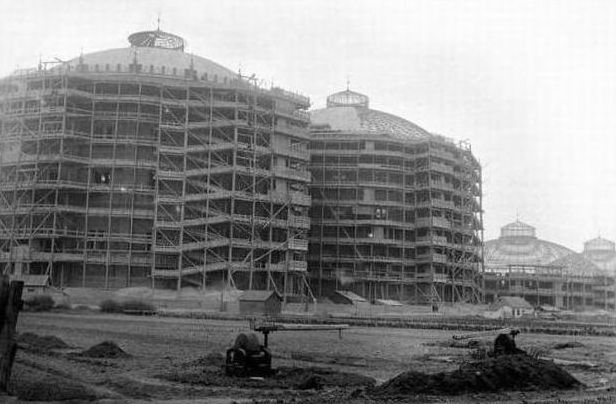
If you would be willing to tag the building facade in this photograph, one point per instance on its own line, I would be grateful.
(396, 211)
(149, 166)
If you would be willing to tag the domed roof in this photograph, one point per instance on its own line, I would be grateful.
(156, 52)
(348, 111)
(518, 245)
(599, 244)
(577, 264)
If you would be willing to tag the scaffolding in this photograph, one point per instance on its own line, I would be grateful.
(551, 285)
(122, 178)
(395, 218)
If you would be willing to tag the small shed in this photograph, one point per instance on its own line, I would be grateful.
(266, 302)
(346, 297)
(33, 284)
(511, 306)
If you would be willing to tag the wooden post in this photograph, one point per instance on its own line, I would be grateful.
(10, 304)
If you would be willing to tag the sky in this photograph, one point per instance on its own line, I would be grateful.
(531, 84)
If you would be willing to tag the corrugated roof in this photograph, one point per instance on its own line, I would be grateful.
(258, 295)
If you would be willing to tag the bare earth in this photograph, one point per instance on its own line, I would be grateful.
(169, 362)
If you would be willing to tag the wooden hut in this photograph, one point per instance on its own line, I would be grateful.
(266, 302)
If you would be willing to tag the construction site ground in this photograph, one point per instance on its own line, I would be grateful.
(178, 360)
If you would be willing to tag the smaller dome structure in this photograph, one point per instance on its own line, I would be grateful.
(602, 253)
(599, 244)
(348, 111)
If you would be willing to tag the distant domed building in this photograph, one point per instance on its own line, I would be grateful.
(396, 210)
(519, 245)
(544, 273)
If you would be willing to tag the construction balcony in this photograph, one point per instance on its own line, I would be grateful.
(433, 222)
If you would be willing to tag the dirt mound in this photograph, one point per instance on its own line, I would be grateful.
(33, 341)
(106, 349)
(569, 344)
(509, 372)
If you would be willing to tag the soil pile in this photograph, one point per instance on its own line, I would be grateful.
(508, 372)
(33, 341)
(106, 349)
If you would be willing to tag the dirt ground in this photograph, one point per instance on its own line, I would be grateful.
(179, 361)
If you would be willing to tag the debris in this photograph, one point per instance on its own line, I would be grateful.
(479, 334)
(106, 349)
(566, 362)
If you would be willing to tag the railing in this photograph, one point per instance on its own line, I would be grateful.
(299, 222)
(434, 221)
(301, 175)
(296, 244)
(297, 152)
(444, 168)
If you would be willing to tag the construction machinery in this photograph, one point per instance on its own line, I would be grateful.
(248, 357)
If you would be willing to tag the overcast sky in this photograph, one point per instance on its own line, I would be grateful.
(531, 84)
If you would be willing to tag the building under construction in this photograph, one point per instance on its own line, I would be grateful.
(148, 166)
(396, 211)
(545, 273)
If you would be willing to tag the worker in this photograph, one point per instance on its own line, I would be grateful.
(504, 344)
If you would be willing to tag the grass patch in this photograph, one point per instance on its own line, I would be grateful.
(137, 305)
(112, 306)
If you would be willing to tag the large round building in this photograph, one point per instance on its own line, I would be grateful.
(396, 210)
(146, 165)
(545, 273)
